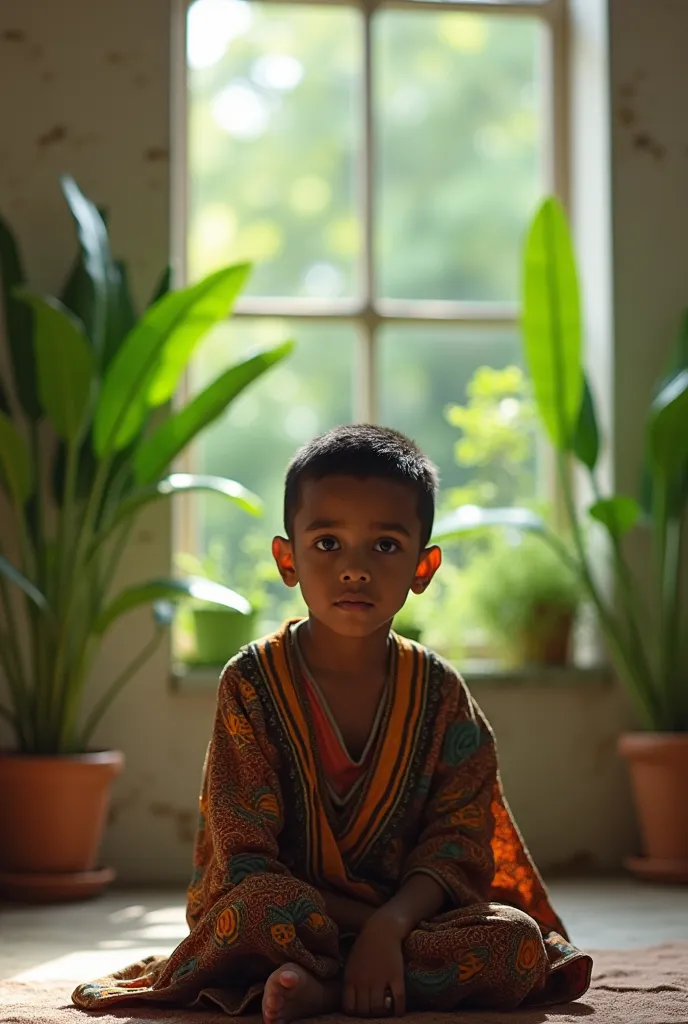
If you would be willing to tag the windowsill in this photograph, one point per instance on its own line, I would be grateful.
(187, 679)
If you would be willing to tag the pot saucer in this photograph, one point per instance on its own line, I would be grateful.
(62, 887)
(654, 869)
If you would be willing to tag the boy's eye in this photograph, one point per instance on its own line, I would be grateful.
(387, 546)
(327, 544)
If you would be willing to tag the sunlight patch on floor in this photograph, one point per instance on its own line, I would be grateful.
(84, 941)
(88, 964)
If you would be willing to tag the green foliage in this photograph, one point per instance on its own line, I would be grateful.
(197, 589)
(18, 326)
(551, 323)
(16, 470)
(92, 370)
(586, 442)
(642, 630)
(498, 442)
(443, 613)
(64, 363)
(518, 588)
(498, 431)
(172, 437)
(212, 567)
(619, 514)
(406, 621)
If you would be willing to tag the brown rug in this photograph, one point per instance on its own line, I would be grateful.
(640, 986)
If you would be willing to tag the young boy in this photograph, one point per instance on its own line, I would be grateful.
(355, 851)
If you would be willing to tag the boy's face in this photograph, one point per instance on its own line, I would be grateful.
(356, 551)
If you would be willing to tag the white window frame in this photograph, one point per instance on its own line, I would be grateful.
(366, 313)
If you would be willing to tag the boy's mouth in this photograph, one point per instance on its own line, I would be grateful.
(354, 603)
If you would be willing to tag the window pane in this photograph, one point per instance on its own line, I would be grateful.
(461, 394)
(274, 128)
(498, 3)
(425, 371)
(459, 151)
(309, 392)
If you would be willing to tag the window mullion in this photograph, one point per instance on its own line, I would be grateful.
(367, 160)
(366, 397)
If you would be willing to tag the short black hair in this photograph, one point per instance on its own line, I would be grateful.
(364, 450)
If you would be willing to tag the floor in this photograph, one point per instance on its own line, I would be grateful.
(78, 941)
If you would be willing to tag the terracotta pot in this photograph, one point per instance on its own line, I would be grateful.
(53, 810)
(658, 764)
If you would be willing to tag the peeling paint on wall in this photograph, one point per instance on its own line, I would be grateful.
(58, 133)
(157, 154)
(642, 139)
(183, 819)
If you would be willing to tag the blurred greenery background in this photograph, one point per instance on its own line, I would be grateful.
(275, 135)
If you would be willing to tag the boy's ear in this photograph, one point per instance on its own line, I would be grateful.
(429, 563)
(284, 559)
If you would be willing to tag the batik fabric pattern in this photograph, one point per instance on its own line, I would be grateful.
(270, 839)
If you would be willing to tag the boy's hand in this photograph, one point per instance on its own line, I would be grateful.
(374, 971)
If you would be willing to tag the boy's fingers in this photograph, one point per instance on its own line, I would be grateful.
(399, 993)
(377, 1002)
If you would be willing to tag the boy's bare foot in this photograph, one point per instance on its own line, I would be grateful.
(292, 992)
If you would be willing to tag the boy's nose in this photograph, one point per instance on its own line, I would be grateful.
(354, 576)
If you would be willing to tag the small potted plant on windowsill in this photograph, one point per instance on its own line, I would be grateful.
(642, 624)
(83, 448)
(217, 633)
(525, 600)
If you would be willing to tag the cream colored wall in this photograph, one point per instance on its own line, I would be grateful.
(84, 88)
(650, 189)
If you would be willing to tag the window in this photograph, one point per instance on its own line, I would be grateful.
(378, 161)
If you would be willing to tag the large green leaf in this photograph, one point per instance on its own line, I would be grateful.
(194, 587)
(668, 426)
(97, 259)
(15, 463)
(156, 453)
(87, 466)
(586, 442)
(677, 487)
(183, 483)
(180, 345)
(18, 324)
(77, 294)
(678, 358)
(121, 313)
(619, 514)
(19, 579)
(176, 321)
(163, 286)
(552, 323)
(4, 401)
(469, 518)
(64, 362)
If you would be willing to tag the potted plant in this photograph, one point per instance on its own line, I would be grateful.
(83, 448)
(524, 599)
(644, 628)
(217, 632)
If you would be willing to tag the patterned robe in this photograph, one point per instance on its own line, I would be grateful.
(270, 839)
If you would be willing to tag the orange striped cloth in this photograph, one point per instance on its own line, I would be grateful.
(341, 771)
